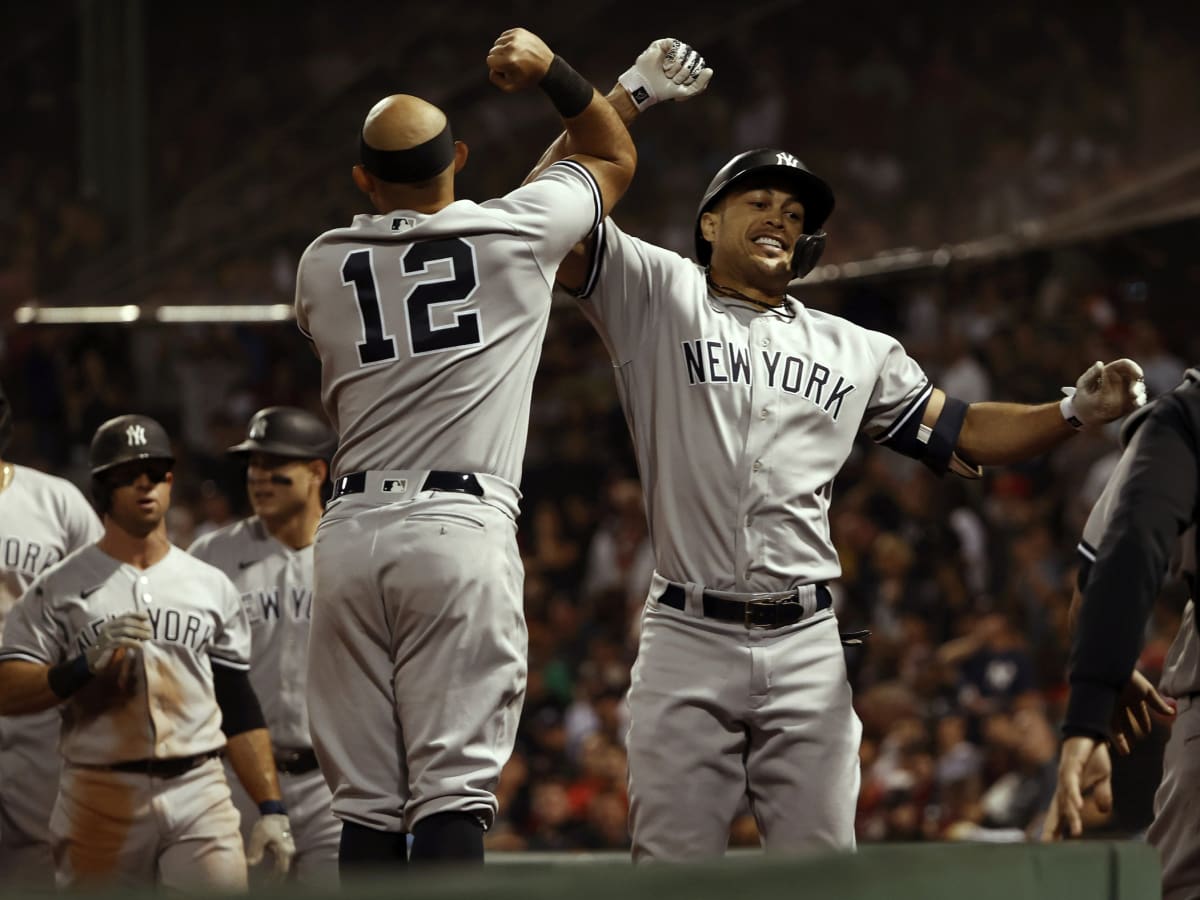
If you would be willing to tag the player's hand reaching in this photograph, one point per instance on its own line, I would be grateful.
(1107, 392)
(272, 832)
(518, 60)
(127, 630)
(1131, 719)
(1084, 775)
(666, 70)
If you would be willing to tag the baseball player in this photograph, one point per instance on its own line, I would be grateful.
(428, 319)
(1145, 519)
(269, 559)
(146, 649)
(743, 405)
(42, 519)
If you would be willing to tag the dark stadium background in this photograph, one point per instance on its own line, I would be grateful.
(1017, 190)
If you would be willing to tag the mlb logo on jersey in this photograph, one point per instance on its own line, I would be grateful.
(395, 485)
(135, 435)
(402, 223)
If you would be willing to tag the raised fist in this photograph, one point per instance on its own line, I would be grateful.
(518, 60)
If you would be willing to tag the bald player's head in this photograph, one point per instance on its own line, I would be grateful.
(401, 122)
(409, 157)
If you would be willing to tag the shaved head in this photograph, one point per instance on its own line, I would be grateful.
(402, 121)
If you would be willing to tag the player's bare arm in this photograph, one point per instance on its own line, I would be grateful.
(598, 138)
(1005, 433)
(666, 70)
(24, 688)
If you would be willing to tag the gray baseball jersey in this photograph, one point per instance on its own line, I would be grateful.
(429, 327)
(419, 611)
(1175, 831)
(741, 419)
(164, 707)
(275, 583)
(42, 519)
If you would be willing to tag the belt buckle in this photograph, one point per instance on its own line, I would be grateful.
(765, 603)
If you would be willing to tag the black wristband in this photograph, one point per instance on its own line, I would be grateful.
(68, 677)
(272, 808)
(569, 91)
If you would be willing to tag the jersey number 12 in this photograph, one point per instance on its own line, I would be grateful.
(423, 336)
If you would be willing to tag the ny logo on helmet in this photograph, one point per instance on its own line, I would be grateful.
(786, 159)
(135, 435)
(258, 430)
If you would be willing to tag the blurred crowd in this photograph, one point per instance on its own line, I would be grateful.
(935, 126)
(932, 129)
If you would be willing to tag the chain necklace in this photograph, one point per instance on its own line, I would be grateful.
(781, 309)
(7, 471)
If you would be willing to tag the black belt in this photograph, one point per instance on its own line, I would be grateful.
(164, 768)
(751, 613)
(296, 762)
(456, 482)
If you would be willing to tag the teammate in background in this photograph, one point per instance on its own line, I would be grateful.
(268, 557)
(147, 649)
(743, 405)
(1146, 516)
(428, 319)
(42, 519)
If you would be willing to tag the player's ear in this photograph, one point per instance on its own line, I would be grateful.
(461, 151)
(320, 470)
(363, 180)
(708, 226)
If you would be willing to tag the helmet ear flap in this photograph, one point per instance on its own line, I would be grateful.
(807, 253)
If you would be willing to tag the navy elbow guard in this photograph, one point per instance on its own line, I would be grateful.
(935, 447)
(240, 710)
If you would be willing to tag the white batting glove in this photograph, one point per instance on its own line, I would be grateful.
(126, 630)
(272, 832)
(1103, 393)
(666, 70)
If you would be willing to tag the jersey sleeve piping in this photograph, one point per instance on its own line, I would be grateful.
(23, 656)
(228, 663)
(916, 403)
(590, 181)
(593, 270)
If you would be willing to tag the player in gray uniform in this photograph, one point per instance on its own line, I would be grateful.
(42, 519)
(428, 319)
(269, 558)
(743, 405)
(1144, 519)
(146, 649)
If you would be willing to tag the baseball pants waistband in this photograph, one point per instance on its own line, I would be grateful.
(436, 480)
(296, 762)
(161, 768)
(767, 611)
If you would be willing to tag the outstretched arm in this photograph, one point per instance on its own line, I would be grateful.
(1005, 433)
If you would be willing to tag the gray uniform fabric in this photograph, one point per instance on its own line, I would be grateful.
(417, 662)
(275, 583)
(42, 519)
(157, 704)
(740, 421)
(1175, 832)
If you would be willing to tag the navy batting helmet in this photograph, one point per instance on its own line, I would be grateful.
(125, 439)
(813, 193)
(289, 432)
